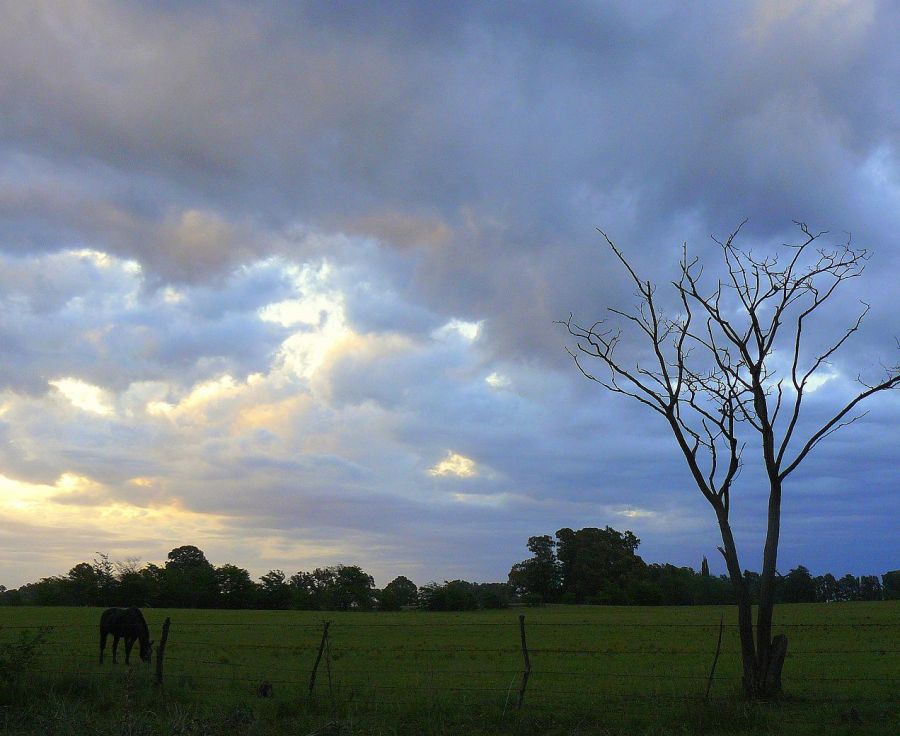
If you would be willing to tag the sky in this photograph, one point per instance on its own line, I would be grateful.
(281, 280)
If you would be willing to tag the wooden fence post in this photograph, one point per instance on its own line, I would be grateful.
(161, 650)
(527, 671)
(322, 645)
(328, 666)
(712, 670)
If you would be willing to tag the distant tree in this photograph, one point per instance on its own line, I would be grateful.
(848, 588)
(493, 595)
(340, 587)
(712, 378)
(105, 571)
(355, 588)
(303, 590)
(274, 590)
(712, 590)
(453, 595)
(401, 591)
(539, 574)
(798, 586)
(890, 585)
(82, 585)
(869, 588)
(826, 588)
(189, 580)
(234, 587)
(676, 586)
(597, 564)
(704, 567)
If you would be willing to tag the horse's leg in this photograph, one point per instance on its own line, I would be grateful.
(129, 642)
(103, 635)
(115, 648)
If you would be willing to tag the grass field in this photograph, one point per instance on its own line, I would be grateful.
(594, 670)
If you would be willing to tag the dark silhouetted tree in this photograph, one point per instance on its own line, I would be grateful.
(890, 585)
(826, 588)
(711, 378)
(453, 595)
(189, 581)
(401, 591)
(798, 586)
(597, 564)
(848, 588)
(274, 590)
(869, 588)
(540, 574)
(234, 587)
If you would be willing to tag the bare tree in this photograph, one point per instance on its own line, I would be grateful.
(711, 375)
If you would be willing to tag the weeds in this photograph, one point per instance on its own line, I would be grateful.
(18, 657)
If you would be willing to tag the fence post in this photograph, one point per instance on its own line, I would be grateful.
(322, 645)
(328, 666)
(712, 670)
(161, 650)
(527, 671)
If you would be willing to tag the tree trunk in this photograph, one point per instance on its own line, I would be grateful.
(770, 656)
(745, 616)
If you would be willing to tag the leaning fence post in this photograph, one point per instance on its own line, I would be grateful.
(161, 650)
(712, 670)
(322, 645)
(527, 671)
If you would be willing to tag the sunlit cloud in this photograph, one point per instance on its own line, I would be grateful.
(635, 513)
(466, 330)
(497, 380)
(77, 502)
(456, 465)
(84, 396)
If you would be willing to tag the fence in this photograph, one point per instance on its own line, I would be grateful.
(512, 662)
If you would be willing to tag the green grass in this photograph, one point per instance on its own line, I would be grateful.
(603, 670)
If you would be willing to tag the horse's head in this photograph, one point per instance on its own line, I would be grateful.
(146, 651)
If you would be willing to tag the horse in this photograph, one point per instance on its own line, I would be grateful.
(127, 623)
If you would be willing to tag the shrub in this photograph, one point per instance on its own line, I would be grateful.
(17, 657)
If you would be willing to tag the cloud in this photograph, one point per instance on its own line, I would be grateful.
(83, 395)
(456, 465)
(283, 262)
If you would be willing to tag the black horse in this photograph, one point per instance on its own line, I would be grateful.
(127, 623)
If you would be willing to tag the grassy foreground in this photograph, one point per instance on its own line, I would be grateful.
(597, 670)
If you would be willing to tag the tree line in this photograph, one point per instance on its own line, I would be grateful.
(591, 565)
(601, 566)
(189, 580)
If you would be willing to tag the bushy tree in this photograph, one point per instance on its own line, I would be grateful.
(274, 590)
(340, 587)
(401, 591)
(234, 587)
(189, 580)
(826, 588)
(597, 564)
(453, 595)
(798, 586)
(869, 588)
(539, 574)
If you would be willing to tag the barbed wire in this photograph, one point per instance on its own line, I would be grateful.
(411, 668)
